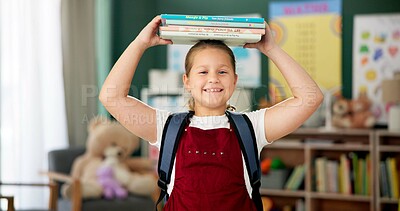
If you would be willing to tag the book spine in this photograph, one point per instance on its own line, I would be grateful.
(290, 180)
(213, 18)
(390, 178)
(363, 176)
(299, 177)
(300, 206)
(395, 177)
(320, 169)
(345, 175)
(358, 181)
(208, 35)
(332, 180)
(166, 22)
(384, 180)
(349, 189)
(355, 172)
(211, 29)
(368, 174)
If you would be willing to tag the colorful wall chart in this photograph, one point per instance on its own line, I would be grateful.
(376, 56)
(309, 31)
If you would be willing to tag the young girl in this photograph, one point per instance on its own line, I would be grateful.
(209, 171)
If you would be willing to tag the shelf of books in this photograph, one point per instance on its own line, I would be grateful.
(234, 31)
(387, 170)
(285, 187)
(337, 170)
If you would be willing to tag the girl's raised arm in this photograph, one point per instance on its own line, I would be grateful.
(135, 115)
(285, 117)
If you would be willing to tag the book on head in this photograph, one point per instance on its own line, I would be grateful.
(189, 31)
(212, 18)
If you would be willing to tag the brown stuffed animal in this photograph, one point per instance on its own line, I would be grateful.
(341, 113)
(352, 113)
(103, 134)
(362, 117)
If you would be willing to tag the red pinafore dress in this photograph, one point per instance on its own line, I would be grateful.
(209, 173)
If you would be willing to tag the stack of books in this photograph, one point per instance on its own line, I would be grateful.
(233, 31)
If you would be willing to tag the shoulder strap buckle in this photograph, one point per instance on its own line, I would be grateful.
(162, 185)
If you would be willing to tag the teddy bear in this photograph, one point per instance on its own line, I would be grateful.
(362, 117)
(112, 188)
(136, 175)
(352, 113)
(341, 113)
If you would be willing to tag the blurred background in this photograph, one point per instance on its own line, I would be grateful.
(55, 55)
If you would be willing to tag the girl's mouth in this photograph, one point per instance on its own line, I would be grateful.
(212, 90)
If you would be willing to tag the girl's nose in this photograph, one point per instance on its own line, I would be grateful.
(213, 78)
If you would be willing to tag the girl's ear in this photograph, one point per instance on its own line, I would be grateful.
(236, 79)
(185, 81)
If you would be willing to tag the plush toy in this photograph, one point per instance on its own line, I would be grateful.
(112, 188)
(352, 113)
(362, 117)
(341, 113)
(134, 174)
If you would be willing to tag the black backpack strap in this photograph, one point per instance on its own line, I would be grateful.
(172, 132)
(245, 133)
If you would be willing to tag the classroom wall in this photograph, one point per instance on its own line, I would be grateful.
(130, 16)
(350, 9)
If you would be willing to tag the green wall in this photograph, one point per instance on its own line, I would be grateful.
(130, 16)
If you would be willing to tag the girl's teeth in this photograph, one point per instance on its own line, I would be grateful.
(212, 90)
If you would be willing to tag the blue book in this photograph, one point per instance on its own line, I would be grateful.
(166, 22)
(212, 18)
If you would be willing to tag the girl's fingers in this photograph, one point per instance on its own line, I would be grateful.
(165, 42)
(249, 45)
(155, 23)
(156, 19)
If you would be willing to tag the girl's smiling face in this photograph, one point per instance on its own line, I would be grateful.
(211, 81)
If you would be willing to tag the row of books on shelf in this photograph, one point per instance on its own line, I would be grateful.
(296, 178)
(351, 174)
(188, 29)
(389, 180)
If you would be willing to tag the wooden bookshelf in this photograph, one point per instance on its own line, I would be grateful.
(282, 197)
(303, 147)
(387, 144)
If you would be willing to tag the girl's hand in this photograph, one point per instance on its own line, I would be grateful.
(266, 43)
(148, 36)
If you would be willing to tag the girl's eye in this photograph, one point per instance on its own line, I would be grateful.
(203, 72)
(222, 72)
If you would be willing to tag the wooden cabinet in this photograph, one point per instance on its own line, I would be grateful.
(305, 146)
(387, 145)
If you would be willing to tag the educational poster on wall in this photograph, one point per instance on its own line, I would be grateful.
(309, 31)
(376, 56)
(248, 62)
